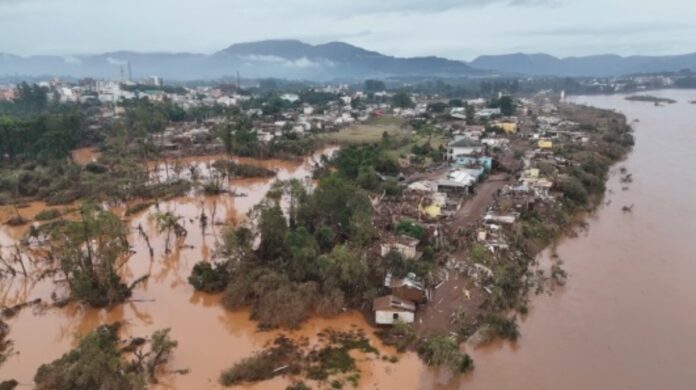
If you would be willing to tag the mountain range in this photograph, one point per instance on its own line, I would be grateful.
(272, 58)
(589, 66)
(293, 59)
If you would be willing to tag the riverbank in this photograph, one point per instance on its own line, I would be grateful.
(624, 318)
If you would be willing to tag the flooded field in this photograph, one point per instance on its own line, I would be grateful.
(210, 337)
(623, 321)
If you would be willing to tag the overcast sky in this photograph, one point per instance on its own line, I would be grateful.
(459, 29)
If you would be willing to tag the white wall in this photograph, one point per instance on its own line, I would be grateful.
(387, 317)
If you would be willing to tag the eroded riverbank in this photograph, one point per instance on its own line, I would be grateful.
(624, 320)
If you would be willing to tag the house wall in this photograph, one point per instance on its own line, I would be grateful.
(454, 151)
(405, 251)
(387, 317)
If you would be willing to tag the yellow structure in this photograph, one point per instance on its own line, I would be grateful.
(532, 173)
(545, 144)
(433, 211)
(508, 127)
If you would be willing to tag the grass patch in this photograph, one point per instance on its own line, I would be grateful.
(369, 132)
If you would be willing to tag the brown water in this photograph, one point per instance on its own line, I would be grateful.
(624, 320)
(627, 316)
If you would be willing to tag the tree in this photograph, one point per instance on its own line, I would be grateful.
(456, 103)
(437, 107)
(237, 243)
(210, 278)
(372, 86)
(168, 222)
(507, 106)
(443, 350)
(88, 250)
(470, 114)
(272, 227)
(343, 268)
(161, 347)
(239, 138)
(402, 100)
(100, 361)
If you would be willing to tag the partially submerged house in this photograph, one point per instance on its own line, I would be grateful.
(390, 309)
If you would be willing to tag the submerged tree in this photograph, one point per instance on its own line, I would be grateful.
(168, 222)
(442, 350)
(100, 361)
(89, 251)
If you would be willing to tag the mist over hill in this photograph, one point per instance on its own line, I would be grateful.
(292, 59)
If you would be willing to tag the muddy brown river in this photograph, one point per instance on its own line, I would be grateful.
(624, 320)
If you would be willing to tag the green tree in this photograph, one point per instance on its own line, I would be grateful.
(101, 361)
(507, 106)
(272, 227)
(470, 114)
(443, 350)
(89, 250)
(372, 86)
(402, 100)
(169, 222)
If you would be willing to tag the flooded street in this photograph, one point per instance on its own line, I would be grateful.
(626, 317)
(624, 320)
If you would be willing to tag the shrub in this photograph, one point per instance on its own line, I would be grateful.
(210, 278)
(411, 229)
(263, 365)
(443, 350)
(500, 326)
(46, 215)
(96, 168)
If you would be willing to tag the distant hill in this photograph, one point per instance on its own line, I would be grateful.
(273, 58)
(590, 66)
(292, 59)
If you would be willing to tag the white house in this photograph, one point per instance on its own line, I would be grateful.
(389, 309)
(463, 146)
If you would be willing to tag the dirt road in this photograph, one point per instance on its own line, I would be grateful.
(457, 294)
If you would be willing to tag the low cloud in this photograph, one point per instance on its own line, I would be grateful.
(116, 61)
(303, 62)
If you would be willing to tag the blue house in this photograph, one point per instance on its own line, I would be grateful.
(463, 161)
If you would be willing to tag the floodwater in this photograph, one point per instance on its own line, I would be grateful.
(624, 320)
(210, 338)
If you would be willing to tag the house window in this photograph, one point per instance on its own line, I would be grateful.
(396, 316)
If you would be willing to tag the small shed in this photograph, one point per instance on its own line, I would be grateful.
(389, 309)
(405, 246)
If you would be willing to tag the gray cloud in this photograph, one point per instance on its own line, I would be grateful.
(461, 29)
(607, 30)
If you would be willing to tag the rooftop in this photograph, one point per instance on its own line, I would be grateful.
(392, 303)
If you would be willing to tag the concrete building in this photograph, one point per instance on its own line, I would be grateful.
(390, 309)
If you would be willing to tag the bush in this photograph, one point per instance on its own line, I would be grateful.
(411, 229)
(210, 278)
(443, 350)
(573, 189)
(242, 170)
(96, 168)
(9, 385)
(46, 215)
(263, 365)
(498, 325)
